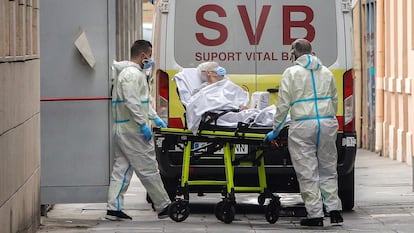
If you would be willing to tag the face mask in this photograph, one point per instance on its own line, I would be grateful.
(147, 63)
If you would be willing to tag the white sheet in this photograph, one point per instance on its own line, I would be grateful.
(187, 80)
(222, 95)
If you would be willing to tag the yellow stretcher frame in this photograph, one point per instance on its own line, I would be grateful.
(224, 210)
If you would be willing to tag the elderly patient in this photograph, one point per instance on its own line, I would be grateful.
(207, 89)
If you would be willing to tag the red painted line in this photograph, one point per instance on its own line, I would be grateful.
(76, 98)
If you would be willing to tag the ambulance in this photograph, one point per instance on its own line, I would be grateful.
(251, 39)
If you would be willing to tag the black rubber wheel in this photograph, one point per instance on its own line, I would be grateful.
(228, 213)
(261, 199)
(272, 211)
(218, 210)
(179, 210)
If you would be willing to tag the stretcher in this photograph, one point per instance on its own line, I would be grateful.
(224, 139)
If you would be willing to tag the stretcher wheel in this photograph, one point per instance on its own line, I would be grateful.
(179, 210)
(218, 209)
(272, 211)
(225, 211)
(261, 199)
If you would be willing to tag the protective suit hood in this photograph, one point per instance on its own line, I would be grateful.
(309, 62)
(118, 66)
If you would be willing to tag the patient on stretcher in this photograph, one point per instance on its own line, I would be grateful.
(222, 97)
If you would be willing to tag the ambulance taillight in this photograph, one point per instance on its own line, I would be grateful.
(349, 110)
(162, 98)
(162, 94)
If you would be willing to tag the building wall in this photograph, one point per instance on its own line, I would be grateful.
(365, 81)
(129, 26)
(409, 83)
(19, 116)
(395, 84)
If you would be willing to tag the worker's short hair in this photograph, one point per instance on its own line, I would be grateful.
(140, 46)
(301, 47)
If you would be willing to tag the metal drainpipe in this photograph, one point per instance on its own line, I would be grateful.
(380, 68)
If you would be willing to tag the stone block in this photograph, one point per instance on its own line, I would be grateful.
(11, 28)
(400, 151)
(19, 92)
(391, 84)
(5, 220)
(19, 146)
(29, 28)
(2, 28)
(4, 67)
(409, 148)
(35, 26)
(392, 142)
(21, 30)
(21, 212)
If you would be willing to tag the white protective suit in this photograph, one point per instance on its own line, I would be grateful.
(308, 90)
(131, 108)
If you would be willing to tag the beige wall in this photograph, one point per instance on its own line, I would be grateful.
(19, 117)
(409, 82)
(396, 96)
(396, 39)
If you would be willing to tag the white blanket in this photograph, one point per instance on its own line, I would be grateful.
(187, 80)
(222, 95)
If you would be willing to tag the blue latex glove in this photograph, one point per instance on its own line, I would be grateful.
(271, 135)
(146, 131)
(159, 122)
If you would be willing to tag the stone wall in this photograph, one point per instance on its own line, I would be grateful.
(19, 116)
(396, 84)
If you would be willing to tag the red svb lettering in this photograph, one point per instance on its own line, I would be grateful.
(253, 36)
(254, 32)
(221, 29)
(288, 23)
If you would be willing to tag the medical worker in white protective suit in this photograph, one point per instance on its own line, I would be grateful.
(133, 145)
(308, 90)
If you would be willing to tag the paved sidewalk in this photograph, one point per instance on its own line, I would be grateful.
(384, 203)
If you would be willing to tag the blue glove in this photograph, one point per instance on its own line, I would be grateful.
(271, 135)
(159, 122)
(146, 131)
